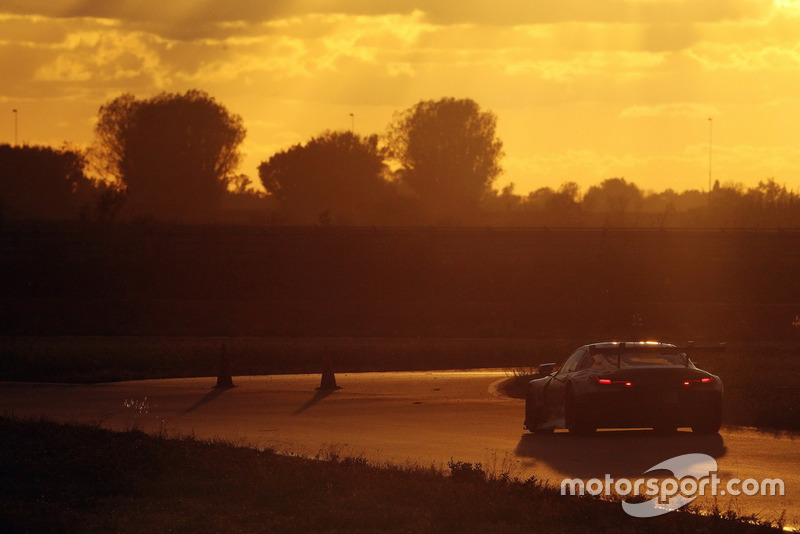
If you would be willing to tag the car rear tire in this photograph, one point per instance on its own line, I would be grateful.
(575, 419)
(710, 422)
(534, 416)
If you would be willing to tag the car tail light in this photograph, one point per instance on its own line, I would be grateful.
(706, 380)
(608, 382)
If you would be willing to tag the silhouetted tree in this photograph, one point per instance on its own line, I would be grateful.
(240, 184)
(449, 154)
(726, 206)
(771, 196)
(334, 178)
(42, 183)
(174, 152)
(615, 198)
(661, 207)
(555, 208)
(109, 201)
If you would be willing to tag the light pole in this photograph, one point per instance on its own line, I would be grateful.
(15, 126)
(352, 123)
(710, 132)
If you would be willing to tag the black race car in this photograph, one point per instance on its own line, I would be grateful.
(625, 385)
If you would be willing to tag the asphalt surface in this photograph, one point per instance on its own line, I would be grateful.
(425, 418)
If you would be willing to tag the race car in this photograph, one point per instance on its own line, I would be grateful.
(626, 385)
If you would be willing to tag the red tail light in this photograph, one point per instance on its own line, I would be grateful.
(606, 381)
(706, 380)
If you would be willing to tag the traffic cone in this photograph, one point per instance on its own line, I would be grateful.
(328, 377)
(224, 379)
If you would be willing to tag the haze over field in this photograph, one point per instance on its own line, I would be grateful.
(583, 91)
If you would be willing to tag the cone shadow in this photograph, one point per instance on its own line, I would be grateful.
(208, 397)
(318, 396)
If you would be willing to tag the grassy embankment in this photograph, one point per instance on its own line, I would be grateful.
(762, 382)
(66, 478)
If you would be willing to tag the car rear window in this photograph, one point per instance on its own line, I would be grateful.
(651, 359)
(603, 361)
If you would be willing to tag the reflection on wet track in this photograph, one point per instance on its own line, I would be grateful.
(619, 453)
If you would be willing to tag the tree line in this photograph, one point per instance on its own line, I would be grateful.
(174, 158)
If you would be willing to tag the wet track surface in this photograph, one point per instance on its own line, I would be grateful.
(423, 418)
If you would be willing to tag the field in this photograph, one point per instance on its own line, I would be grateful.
(96, 303)
(406, 283)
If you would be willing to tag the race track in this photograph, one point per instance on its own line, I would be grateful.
(425, 418)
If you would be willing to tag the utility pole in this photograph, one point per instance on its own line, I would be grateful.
(710, 133)
(15, 127)
(352, 123)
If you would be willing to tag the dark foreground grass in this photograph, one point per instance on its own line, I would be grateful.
(67, 478)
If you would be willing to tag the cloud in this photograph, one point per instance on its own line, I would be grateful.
(563, 78)
(106, 57)
(673, 109)
(611, 65)
(749, 56)
(308, 48)
(197, 18)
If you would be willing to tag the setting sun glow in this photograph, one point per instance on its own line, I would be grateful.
(582, 91)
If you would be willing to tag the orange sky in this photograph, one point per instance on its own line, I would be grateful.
(584, 90)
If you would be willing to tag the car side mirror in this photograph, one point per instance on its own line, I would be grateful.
(546, 368)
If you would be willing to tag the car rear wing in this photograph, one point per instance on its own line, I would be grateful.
(691, 348)
(686, 350)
